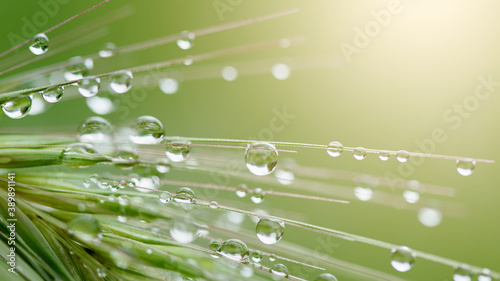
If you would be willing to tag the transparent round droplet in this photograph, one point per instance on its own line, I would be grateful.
(100, 105)
(39, 44)
(261, 158)
(183, 230)
(242, 190)
(269, 231)
(430, 217)
(121, 82)
(272, 257)
(147, 130)
(178, 150)
(163, 167)
(53, 95)
(78, 68)
(462, 273)
(402, 259)
(214, 205)
(125, 159)
(326, 277)
(411, 196)
(234, 249)
(184, 195)
(280, 270)
(284, 177)
(17, 108)
(81, 155)
(363, 193)
(280, 71)
(169, 86)
(94, 129)
(257, 196)
(229, 73)
(257, 256)
(108, 50)
(38, 105)
(465, 167)
(384, 155)
(85, 227)
(186, 41)
(402, 156)
(359, 153)
(89, 87)
(334, 149)
(485, 275)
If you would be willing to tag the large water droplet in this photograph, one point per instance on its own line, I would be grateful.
(85, 227)
(280, 71)
(280, 270)
(384, 155)
(334, 149)
(402, 156)
(53, 95)
(465, 167)
(77, 68)
(257, 196)
(359, 153)
(229, 73)
(89, 87)
(183, 230)
(187, 40)
(39, 44)
(147, 130)
(95, 129)
(462, 273)
(108, 50)
(178, 151)
(261, 158)
(169, 86)
(81, 155)
(234, 249)
(402, 259)
(17, 108)
(121, 82)
(184, 195)
(269, 231)
(326, 277)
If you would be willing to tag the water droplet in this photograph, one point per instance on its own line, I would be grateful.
(363, 193)
(108, 50)
(214, 245)
(411, 196)
(462, 273)
(147, 130)
(53, 95)
(270, 231)
(402, 156)
(81, 155)
(272, 257)
(78, 68)
(85, 227)
(39, 44)
(257, 196)
(188, 60)
(359, 153)
(17, 108)
(242, 190)
(121, 82)
(261, 158)
(257, 256)
(121, 219)
(485, 275)
(125, 159)
(465, 167)
(184, 195)
(38, 105)
(163, 167)
(430, 217)
(280, 71)
(89, 87)
(178, 151)
(100, 105)
(187, 40)
(169, 86)
(326, 277)
(284, 177)
(402, 259)
(214, 205)
(334, 149)
(384, 155)
(280, 270)
(94, 129)
(101, 272)
(234, 249)
(229, 73)
(183, 230)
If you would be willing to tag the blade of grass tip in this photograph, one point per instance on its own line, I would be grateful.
(53, 27)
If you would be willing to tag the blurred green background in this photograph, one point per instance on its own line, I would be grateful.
(392, 93)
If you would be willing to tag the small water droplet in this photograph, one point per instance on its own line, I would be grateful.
(85, 227)
(280, 71)
(17, 108)
(186, 41)
(188, 60)
(183, 230)
(334, 149)
(89, 87)
(184, 195)
(169, 86)
(125, 159)
(214, 205)
(402, 156)
(78, 68)
(178, 151)
(242, 190)
(100, 105)
(462, 273)
(402, 259)
(94, 129)
(269, 231)
(257, 196)
(485, 275)
(272, 257)
(53, 95)
(39, 44)
(363, 193)
(108, 50)
(261, 158)
(147, 130)
(163, 167)
(326, 277)
(257, 256)
(280, 270)
(465, 167)
(359, 153)
(121, 82)
(411, 196)
(284, 177)
(234, 249)
(81, 155)
(430, 217)
(384, 155)
(229, 73)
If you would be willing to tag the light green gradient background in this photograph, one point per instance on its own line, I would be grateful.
(393, 93)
